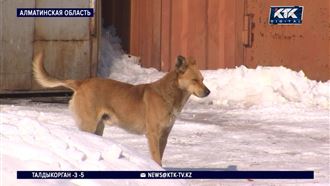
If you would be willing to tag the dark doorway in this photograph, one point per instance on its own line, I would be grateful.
(118, 13)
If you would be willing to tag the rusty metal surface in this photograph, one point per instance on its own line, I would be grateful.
(17, 46)
(1, 36)
(65, 59)
(146, 31)
(70, 51)
(222, 34)
(96, 25)
(62, 28)
(299, 47)
(208, 30)
(215, 32)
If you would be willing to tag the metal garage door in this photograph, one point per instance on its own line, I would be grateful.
(299, 47)
(68, 44)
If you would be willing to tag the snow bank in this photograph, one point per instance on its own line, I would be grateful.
(38, 140)
(264, 86)
(240, 87)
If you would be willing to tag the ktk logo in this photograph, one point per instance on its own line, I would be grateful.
(289, 15)
(285, 13)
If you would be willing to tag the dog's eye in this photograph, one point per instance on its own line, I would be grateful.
(195, 80)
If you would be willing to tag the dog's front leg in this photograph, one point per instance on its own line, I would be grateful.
(153, 141)
(154, 116)
(163, 141)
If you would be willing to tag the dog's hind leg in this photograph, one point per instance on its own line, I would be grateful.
(85, 118)
(90, 124)
(100, 128)
(100, 124)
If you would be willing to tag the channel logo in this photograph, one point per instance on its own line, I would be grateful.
(286, 15)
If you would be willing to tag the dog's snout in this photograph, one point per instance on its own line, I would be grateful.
(206, 92)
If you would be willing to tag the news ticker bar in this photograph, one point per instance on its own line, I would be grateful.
(54, 12)
(165, 174)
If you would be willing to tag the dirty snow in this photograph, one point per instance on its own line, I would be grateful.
(268, 118)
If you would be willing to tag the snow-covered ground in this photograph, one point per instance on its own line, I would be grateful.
(40, 136)
(269, 118)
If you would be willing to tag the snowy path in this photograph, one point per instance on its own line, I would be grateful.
(286, 138)
(204, 137)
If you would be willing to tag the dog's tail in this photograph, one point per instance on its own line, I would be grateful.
(44, 79)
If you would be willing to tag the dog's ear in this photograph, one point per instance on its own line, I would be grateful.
(181, 64)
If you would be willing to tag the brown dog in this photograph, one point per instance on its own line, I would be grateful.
(148, 109)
